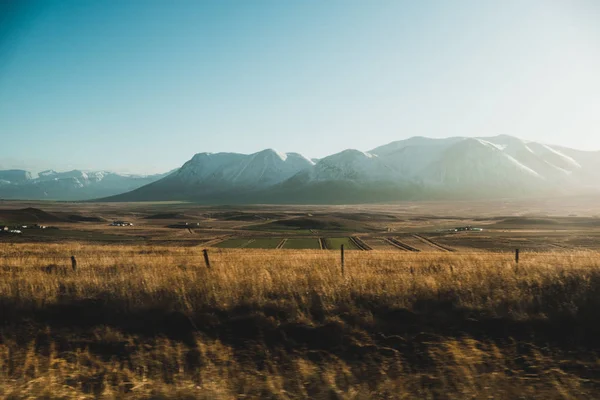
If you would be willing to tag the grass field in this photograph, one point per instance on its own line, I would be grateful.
(68, 234)
(302, 243)
(336, 243)
(153, 322)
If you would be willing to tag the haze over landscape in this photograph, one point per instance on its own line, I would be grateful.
(141, 88)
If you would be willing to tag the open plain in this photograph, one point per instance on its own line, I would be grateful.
(429, 302)
(561, 224)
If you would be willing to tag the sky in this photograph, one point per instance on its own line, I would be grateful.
(140, 86)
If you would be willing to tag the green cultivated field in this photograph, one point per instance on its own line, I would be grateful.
(336, 243)
(263, 243)
(232, 243)
(309, 243)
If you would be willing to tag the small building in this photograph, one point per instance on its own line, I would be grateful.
(468, 228)
(121, 223)
(188, 224)
(4, 228)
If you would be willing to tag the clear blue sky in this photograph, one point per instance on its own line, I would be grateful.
(141, 86)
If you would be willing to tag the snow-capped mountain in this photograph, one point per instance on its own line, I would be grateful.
(415, 168)
(267, 167)
(352, 165)
(490, 160)
(218, 176)
(70, 185)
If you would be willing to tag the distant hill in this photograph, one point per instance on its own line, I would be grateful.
(32, 215)
(418, 168)
(28, 215)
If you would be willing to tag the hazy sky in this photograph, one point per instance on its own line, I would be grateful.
(141, 86)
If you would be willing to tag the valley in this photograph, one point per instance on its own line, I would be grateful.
(565, 224)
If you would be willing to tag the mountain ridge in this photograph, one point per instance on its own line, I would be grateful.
(415, 168)
(71, 185)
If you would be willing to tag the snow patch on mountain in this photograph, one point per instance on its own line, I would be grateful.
(476, 162)
(222, 170)
(352, 165)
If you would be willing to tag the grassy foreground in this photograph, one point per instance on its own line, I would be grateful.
(139, 322)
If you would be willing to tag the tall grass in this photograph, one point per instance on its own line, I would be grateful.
(137, 322)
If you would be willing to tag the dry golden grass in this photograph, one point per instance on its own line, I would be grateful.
(154, 322)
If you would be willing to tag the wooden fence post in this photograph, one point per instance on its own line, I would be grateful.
(342, 251)
(206, 260)
(517, 256)
(74, 263)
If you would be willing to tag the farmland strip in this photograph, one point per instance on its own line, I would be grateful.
(247, 243)
(215, 241)
(359, 243)
(398, 244)
(281, 244)
(432, 243)
(322, 244)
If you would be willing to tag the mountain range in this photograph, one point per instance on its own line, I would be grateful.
(418, 168)
(72, 185)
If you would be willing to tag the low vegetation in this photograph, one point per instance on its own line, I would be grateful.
(154, 322)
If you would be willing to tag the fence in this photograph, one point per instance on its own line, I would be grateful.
(215, 257)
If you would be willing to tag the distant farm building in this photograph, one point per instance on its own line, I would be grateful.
(467, 229)
(19, 228)
(121, 223)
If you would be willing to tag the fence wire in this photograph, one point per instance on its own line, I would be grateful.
(276, 254)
